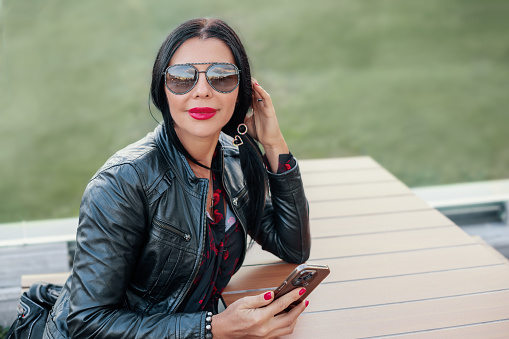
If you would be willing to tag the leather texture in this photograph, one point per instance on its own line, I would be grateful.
(141, 234)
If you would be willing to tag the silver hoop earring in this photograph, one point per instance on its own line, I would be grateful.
(242, 129)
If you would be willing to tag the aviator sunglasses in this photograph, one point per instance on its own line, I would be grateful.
(181, 78)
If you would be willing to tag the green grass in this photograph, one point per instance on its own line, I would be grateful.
(3, 332)
(420, 86)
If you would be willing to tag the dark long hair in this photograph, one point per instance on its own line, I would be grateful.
(249, 153)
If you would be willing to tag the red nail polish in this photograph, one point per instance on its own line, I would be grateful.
(302, 291)
(267, 295)
(256, 84)
(307, 303)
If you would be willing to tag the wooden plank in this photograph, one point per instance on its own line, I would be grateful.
(491, 330)
(331, 209)
(51, 278)
(389, 242)
(404, 317)
(368, 267)
(416, 287)
(346, 177)
(357, 191)
(369, 244)
(378, 223)
(336, 164)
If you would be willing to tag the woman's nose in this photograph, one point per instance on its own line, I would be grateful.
(202, 87)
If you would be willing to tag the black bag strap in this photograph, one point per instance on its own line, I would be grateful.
(44, 294)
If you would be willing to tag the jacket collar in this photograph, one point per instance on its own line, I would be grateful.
(178, 162)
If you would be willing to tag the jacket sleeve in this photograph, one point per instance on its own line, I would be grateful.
(111, 232)
(285, 223)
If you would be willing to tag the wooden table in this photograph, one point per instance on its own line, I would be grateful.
(399, 268)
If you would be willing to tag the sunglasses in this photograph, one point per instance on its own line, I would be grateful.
(181, 78)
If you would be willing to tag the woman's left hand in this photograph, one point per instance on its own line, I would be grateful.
(263, 126)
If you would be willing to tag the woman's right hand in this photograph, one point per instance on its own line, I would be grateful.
(258, 317)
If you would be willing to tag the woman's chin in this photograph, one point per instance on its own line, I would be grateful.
(199, 133)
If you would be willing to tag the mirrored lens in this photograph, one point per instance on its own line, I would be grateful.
(180, 78)
(223, 77)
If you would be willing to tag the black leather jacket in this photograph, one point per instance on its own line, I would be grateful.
(141, 236)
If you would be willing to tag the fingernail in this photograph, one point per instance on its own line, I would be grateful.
(307, 303)
(302, 291)
(267, 295)
(256, 84)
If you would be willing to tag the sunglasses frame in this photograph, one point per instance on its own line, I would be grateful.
(237, 72)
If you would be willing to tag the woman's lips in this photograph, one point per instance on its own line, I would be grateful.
(202, 113)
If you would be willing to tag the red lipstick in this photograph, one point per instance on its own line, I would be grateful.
(202, 113)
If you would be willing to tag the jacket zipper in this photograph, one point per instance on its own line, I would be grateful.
(174, 230)
(198, 258)
(233, 204)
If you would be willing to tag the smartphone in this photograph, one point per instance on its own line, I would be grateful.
(305, 275)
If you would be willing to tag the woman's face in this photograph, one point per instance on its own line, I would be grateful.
(185, 109)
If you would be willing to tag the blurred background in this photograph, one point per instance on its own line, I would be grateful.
(420, 86)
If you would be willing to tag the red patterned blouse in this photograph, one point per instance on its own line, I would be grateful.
(223, 247)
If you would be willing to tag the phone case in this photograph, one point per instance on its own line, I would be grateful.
(305, 275)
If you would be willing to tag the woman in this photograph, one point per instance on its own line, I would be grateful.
(164, 223)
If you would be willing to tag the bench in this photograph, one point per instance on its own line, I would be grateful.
(398, 266)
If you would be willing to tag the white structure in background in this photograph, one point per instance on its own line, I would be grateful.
(480, 208)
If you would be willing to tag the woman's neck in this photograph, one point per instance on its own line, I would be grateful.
(202, 150)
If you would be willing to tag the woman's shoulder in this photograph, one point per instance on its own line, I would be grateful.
(143, 157)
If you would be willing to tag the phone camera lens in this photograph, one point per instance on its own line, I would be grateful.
(305, 278)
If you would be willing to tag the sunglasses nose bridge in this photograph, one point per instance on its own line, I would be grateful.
(198, 75)
(203, 85)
